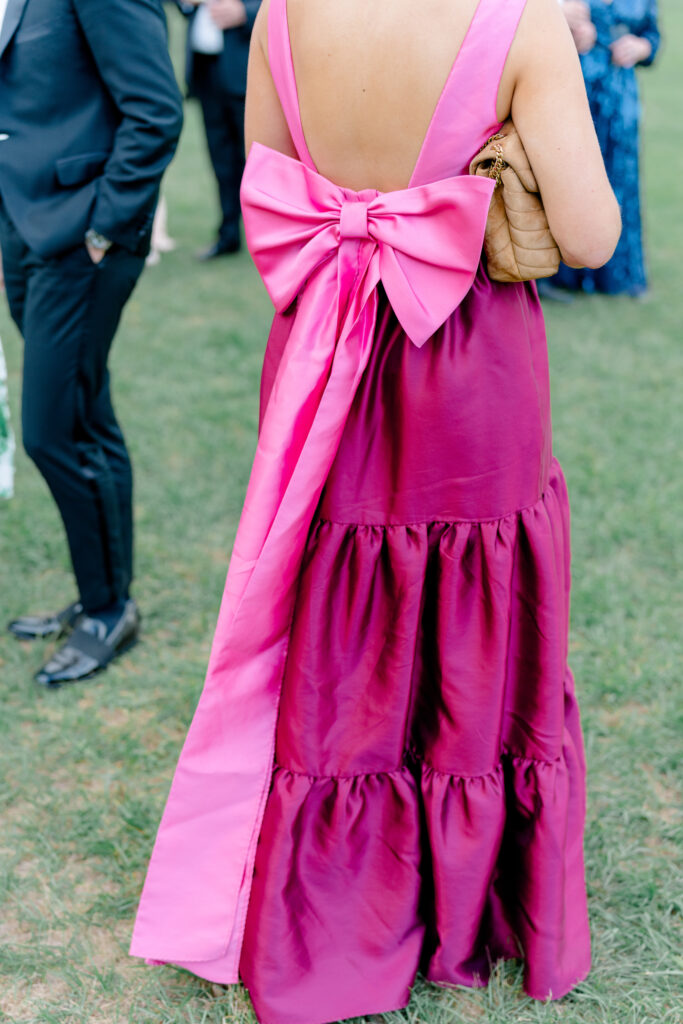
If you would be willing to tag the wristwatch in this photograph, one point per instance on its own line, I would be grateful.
(96, 240)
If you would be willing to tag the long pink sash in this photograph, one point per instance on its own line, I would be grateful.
(329, 247)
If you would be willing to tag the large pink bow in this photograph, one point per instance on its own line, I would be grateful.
(423, 243)
(329, 247)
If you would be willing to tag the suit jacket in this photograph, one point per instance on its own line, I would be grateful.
(90, 114)
(232, 60)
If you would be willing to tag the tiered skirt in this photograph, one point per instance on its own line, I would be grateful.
(427, 805)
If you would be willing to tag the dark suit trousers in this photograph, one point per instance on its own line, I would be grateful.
(224, 125)
(67, 310)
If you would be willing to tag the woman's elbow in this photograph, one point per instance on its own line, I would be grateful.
(596, 245)
(592, 256)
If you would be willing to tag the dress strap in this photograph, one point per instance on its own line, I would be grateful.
(282, 70)
(466, 114)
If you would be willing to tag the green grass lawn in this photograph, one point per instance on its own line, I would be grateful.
(84, 770)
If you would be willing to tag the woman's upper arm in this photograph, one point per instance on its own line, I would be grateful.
(551, 113)
(264, 118)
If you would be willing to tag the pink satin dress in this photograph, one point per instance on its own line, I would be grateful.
(385, 772)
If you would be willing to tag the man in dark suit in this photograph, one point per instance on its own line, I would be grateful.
(90, 115)
(217, 52)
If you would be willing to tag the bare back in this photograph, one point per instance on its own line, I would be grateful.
(369, 76)
(381, 68)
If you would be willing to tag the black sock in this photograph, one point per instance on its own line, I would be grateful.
(110, 614)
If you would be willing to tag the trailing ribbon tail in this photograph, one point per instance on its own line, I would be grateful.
(329, 247)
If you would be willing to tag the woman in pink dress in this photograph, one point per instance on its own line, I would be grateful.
(385, 771)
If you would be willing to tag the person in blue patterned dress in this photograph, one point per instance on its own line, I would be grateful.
(613, 38)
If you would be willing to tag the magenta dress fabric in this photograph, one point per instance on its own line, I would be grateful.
(385, 772)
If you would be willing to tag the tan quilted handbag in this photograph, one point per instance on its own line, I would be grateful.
(517, 242)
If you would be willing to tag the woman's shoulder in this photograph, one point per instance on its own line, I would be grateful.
(259, 34)
(541, 41)
(541, 24)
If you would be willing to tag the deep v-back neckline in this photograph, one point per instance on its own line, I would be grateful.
(301, 143)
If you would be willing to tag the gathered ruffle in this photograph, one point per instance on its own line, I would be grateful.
(428, 801)
(450, 638)
(362, 879)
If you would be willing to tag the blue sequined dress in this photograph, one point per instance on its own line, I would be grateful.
(615, 105)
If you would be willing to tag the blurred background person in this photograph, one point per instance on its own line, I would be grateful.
(613, 39)
(216, 72)
(161, 241)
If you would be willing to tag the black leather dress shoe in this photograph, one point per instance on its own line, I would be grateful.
(91, 647)
(219, 249)
(34, 627)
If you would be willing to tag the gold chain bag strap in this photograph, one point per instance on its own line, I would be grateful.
(517, 242)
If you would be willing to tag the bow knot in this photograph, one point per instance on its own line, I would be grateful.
(353, 220)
